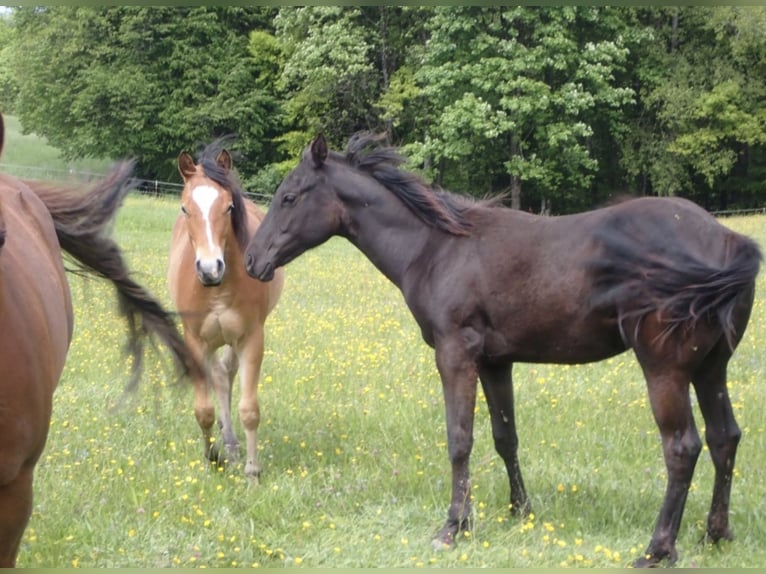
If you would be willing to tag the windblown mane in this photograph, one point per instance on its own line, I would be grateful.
(436, 207)
(228, 180)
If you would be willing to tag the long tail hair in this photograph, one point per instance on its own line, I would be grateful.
(83, 222)
(639, 279)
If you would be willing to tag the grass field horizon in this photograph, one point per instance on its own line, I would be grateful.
(22, 150)
(353, 443)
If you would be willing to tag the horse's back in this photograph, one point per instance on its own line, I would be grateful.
(669, 223)
(533, 286)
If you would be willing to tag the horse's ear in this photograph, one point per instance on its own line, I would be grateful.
(223, 159)
(319, 150)
(186, 165)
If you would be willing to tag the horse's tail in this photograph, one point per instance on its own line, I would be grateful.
(638, 278)
(83, 226)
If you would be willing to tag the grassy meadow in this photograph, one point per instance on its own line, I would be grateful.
(23, 150)
(353, 443)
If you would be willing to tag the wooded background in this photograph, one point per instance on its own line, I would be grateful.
(560, 108)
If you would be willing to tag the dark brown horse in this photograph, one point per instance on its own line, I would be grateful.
(220, 305)
(37, 221)
(490, 286)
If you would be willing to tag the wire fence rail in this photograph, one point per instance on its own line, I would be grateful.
(151, 187)
(156, 188)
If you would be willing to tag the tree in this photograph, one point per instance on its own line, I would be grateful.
(516, 93)
(701, 122)
(8, 87)
(327, 79)
(143, 82)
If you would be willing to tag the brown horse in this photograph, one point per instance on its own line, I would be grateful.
(220, 305)
(490, 286)
(37, 221)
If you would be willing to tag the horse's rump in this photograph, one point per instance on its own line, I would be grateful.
(676, 261)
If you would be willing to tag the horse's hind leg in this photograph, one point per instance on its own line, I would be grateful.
(498, 390)
(681, 445)
(722, 435)
(223, 373)
(15, 509)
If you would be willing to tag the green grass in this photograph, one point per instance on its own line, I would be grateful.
(32, 150)
(355, 468)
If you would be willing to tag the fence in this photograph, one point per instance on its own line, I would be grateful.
(151, 187)
(157, 188)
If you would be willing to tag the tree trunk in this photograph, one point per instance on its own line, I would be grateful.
(515, 179)
(515, 192)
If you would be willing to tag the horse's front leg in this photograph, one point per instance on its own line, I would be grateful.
(458, 375)
(204, 410)
(251, 358)
(223, 371)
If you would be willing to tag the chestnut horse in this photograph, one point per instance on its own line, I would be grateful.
(490, 286)
(37, 221)
(219, 304)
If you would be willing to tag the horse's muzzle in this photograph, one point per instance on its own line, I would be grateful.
(266, 273)
(209, 274)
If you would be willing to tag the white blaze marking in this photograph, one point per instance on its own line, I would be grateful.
(204, 196)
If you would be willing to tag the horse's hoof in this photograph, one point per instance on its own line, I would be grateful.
(440, 545)
(252, 473)
(214, 455)
(445, 538)
(654, 560)
(715, 536)
(521, 509)
(232, 453)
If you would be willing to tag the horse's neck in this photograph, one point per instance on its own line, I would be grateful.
(384, 230)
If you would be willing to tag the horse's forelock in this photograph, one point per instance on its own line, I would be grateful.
(228, 180)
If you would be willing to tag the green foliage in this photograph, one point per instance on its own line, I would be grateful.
(702, 96)
(328, 79)
(521, 90)
(8, 88)
(145, 82)
(560, 107)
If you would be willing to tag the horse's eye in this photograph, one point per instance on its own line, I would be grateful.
(288, 199)
(183, 210)
(230, 208)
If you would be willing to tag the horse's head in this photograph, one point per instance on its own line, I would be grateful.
(304, 212)
(209, 205)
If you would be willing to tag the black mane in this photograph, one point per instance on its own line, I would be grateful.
(436, 207)
(228, 180)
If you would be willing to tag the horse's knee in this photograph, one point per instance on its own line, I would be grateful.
(723, 446)
(249, 416)
(205, 417)
(682, 452)
(460, 444)
(506, 444)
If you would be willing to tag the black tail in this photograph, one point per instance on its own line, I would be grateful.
(83, 222)
(638, 279)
